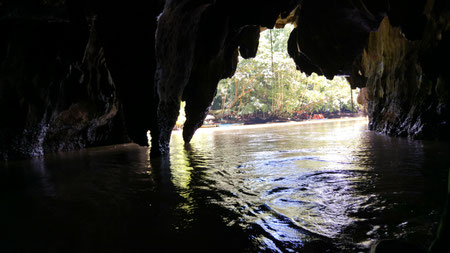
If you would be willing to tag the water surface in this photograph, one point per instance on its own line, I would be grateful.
(327, 187)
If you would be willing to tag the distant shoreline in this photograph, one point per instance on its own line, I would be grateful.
(287, 123)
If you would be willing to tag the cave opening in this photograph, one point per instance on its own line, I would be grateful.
(78, 76)
(269, 87)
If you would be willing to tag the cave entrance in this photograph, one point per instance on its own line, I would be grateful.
(270, 88)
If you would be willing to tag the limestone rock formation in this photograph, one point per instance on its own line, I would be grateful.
(197, 44)
(56, 89)
(73, 74)
(407, 83)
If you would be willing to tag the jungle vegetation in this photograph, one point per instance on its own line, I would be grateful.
(270, 86)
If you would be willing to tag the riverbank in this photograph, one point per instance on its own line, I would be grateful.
(231, 120)
(251, 119)
(285, 123)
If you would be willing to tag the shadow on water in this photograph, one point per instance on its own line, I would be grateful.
(324, 188)
(79, 202)
(112, 199)
(407, 191)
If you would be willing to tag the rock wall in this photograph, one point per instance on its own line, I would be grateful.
(408, 80)
(56, 90)
(75, 74)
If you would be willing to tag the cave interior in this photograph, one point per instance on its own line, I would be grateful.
(77, 74)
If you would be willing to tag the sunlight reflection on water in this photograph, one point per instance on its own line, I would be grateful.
(294, 184)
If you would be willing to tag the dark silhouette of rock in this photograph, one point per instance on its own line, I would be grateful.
(75, 74)
(196, 46)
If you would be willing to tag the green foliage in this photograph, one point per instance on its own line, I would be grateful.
(270, 84)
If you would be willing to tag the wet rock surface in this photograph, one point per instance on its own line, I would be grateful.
(407, 86)
(74, 75)
(56, 90)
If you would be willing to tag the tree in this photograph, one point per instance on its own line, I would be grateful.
(269, 84)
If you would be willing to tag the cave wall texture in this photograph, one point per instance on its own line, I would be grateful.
(408, 76)
(75, 74)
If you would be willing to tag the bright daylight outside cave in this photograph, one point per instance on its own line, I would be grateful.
(224, 126)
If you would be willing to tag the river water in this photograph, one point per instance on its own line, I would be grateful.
(325, 187)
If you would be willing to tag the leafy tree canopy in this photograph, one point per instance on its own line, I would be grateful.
(269, 84)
